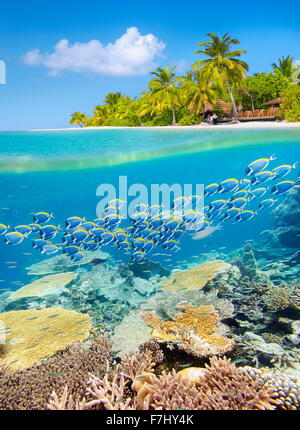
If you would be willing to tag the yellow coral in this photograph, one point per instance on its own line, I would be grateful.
(47, 285)
(36, 334)
(194, 330)
(196, 278)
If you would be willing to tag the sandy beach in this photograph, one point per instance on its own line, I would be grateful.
(240, 125)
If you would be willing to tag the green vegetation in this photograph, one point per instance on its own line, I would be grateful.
(216, 80)
(291, 103)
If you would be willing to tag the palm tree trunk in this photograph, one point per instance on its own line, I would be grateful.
(234, 109)
(173, 115)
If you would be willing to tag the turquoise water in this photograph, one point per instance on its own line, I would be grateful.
(59, 172)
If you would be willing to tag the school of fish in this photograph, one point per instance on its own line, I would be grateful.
(152, 226)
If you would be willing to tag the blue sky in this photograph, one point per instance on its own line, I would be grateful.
(45, 84)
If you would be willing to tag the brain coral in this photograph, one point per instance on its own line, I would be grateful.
(51, 284)
(195, 330)
(35, 334)
(196, 278)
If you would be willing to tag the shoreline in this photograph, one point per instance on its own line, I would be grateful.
(240, 125)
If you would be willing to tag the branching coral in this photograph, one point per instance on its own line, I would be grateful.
(195, 330)
(31, 388)
(222, 386)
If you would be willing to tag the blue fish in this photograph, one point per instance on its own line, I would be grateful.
(137, 256)
(13, 238)
(231, 213)
(39, 243)
(42, 217)
(258, 165)
(77, 257)
(258, 192)
(50, 249)
(3, 228)
(283, 187)
(244, 184)
(228, 185)
(267, 203)
(240, 193)
(245, 216)
(217, 204)
(74, 221)
(240, 202)
(49, 231)
(24, 229)
(96, 232)
(211, 189)
(80, 235)
(91, 245)
(284, 170)
(35, 227)
(170, 245)
(71, 250)
(67, 239)
(262, 177)
(124, 245)
(106, 237)
(100, 222)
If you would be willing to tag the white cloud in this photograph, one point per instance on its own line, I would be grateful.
(131, 54)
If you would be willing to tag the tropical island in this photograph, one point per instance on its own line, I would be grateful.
(215, 84)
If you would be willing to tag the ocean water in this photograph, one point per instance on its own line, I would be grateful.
(60, 171)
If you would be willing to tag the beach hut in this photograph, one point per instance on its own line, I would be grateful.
(274, 102)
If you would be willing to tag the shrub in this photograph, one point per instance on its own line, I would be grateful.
(291, 103)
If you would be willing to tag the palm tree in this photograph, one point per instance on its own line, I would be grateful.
(112, 99)
(78, 118)
(197, 91)
(222, 66)
(163, 90)
(287, 67)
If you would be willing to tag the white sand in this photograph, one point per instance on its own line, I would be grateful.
(240, 125)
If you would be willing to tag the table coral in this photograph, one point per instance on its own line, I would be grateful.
(195, 330)
(52, 284)
(195, 278)
(35, 334)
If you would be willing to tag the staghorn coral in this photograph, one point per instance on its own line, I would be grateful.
(31, 388)
(52, 284)
(194, 331)
(66, 402)
(35, 334)
(221, 386)
(111, 392)
(196, 278)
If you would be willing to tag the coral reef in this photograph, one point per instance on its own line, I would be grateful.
(48, 285)
(31, 388)
(34, 334)
(62, 263)
(195, 330)
(195, 278)
(221, 385)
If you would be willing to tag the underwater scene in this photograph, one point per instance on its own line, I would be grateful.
(150, 269)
